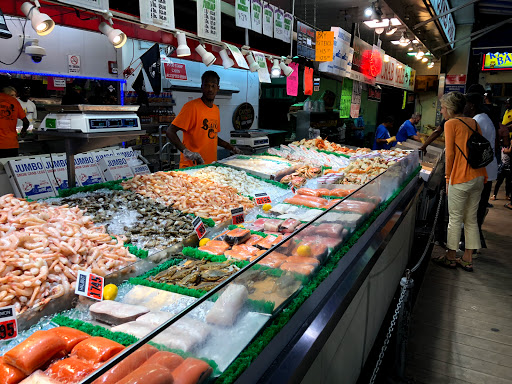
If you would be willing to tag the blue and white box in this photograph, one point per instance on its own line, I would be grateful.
(115, 168)
(87, 171)
(57, 169)
(29, 179)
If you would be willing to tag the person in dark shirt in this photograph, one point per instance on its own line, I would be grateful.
(408, 129)
(383, 139)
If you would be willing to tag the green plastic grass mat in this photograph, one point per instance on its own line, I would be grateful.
(333, 153)
(140, 253)
(167, 287)
(120, 337)
(112, 185)
(260, 342)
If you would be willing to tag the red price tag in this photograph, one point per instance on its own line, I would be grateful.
(8, 323)
(262, 198)
(199, 227)
(237, 215)
(89, 285)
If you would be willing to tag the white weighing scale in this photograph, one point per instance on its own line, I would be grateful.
(91, 118)
(250, 141)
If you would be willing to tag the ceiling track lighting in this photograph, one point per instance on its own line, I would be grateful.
(424, 60)
(287, 70)
(275, 72)
(253, 65)
(379, 31)
(386, 58)
(227, 62)
(430, 65)
(116, 37)
(41, 22)
(183, 49)
(391, 30)
(373, 11)
(208, 58)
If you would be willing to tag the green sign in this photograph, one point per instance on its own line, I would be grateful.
(346, 98)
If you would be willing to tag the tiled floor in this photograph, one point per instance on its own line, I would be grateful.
(462, 322)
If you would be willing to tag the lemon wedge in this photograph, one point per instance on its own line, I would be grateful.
(110, 292)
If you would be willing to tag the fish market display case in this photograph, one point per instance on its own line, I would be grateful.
(275, 316)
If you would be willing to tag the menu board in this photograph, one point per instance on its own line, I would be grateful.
(278, 23)
(208, 19)
(159, 13)
(243, 13)
(268, 19)
(256, 15)
(346, 98)
(306, 41)
(324, 46)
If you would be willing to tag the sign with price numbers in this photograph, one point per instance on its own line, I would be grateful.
(208, 19)
(243, 13)
(8, 323)
(262, 198)
(237, 214)
(199, 227)
(278, 23)
(159, 13)
(324, 46)
(89, 285)
(268, 19)
(288, 27)
(256, 15)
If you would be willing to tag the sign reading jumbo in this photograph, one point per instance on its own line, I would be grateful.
(497, 61)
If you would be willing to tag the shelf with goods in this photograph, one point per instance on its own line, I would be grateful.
(229, 294)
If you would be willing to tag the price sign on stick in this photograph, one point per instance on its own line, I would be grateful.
(262, 198)
(237, 215)
(8, 324)
(199, 227)
(89, 285)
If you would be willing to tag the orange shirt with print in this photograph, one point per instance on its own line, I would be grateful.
(200, 125)
(10, 112)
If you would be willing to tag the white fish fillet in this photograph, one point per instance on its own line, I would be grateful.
(155, 318)
(152, 298)
(228, 305)
(38, 377)
(117, 310)
(284, 208)
(134, 328)
(170, 338)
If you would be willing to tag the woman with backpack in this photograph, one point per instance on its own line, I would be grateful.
(464, 183)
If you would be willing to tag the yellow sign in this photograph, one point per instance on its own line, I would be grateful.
(405, 100)
(497, 61)
(324, 46)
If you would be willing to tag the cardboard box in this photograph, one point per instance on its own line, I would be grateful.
(29, 179)
(98, 155)
(125, 152)
(87, 171)
(115, 168)
(58, 172)
(141, 170)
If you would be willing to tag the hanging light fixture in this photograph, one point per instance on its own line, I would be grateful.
(208, 58)
(430, 65)
(424, 60)
(227, 62)
(386, 58)
(419, 55)
(410, 48)
(391, 30)
(276, 69)
(253, 65)
(368, 12)
(41, 22)
(287, 70)
(378, 31)
(115, 36)
(183, 49)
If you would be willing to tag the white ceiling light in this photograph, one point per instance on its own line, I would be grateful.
(287, 71)
(227, 62)
(41, 22)
(368, 12)
(404, 41)
(395, 22)
(391, 30)
(395, 42)
(116, 37)
(419, 55)
(386, 58)
(399, 66)
(424, 60)
(208, 58)
(410, 48)
(377, 23)
(378, 31)
(253, 65)
(183, 49)
(431, 64)
(276, 69)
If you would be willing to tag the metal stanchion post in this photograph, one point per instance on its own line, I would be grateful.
(404, 317)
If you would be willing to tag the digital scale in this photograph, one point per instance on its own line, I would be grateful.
(91, 118)
(250, 141)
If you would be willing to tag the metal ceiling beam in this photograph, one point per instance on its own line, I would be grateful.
(419, 25)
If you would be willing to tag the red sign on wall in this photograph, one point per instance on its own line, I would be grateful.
(175, 71)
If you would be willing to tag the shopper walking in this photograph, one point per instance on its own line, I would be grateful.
(383, 139)
(464, 183)
(10, 112)
(473, 109)
(504, 169)
(408, 129)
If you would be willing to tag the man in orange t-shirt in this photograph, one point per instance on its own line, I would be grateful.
(10, 112)
(199, 120)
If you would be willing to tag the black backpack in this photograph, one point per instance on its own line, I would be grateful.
(480, 152)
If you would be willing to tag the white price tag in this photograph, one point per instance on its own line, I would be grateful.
(262, 198)
(89, 285)
(8, 323)
(237, 215)
(199, 227)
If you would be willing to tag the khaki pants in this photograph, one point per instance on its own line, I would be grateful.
(463, 200)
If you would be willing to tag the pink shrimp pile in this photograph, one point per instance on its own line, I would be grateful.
(42, 247)
(189, 194)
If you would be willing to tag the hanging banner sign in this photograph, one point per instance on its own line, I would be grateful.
(412, 80)
(237, 55)
(306, 41)
(242, 13)
(263, 74)
(292, 81)
(159, 13)
(357, 89)
(256, 15)
(346, 98)
(93, 5)
(361, 48)
(175, 71)
(278, 23)
(324, 46)
(208, 19)
(341, 48)
(288, 27)
(268, 19)
(308, 80)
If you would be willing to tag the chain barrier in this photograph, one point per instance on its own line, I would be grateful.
(406, 284)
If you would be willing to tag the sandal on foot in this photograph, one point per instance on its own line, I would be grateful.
(493, 197)
(444, 262)
(465, 265)
(509, 206)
